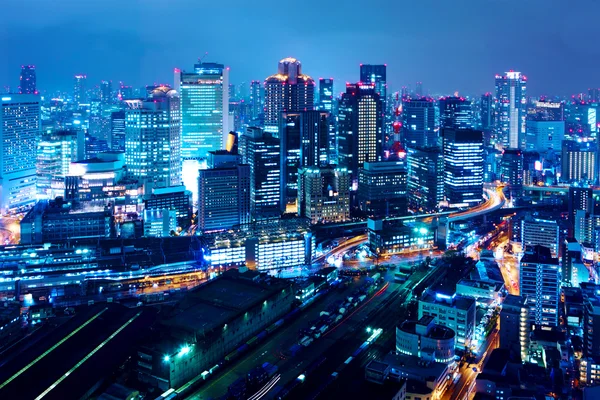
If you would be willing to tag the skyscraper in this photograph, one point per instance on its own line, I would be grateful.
(419, 89)
(514, 326)
(204, 97)
(153, 138)
(377, 76)
(579, 161)
(326, 104)
(540, 283)
(382, 189)
(106, 92)
(324, 194)
(260, 150)
(425, 178)
(487, 111)
(79, 89)
(117, 131)
(287, 90)
(20, 127)
(511, 171)
(360, 122)
(456, 112)
(223, 197)
(543, 232)
(511, 110)
(463, 167)
(304, 142)
(27, 80)
(257, 98)
(545, 126)
(419, 118)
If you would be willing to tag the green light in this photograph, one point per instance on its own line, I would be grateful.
(184, 350)
(166, 359)
(369, 329)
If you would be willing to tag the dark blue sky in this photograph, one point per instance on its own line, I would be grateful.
(448, 44)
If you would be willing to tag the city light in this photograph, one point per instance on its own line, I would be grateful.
(183, 351)
(166, 358)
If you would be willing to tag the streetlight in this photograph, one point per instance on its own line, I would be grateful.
(369, 329)
(166, 358)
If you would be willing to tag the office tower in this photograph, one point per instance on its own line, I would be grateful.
(27, 80)
(79, 90)
(456, 112)
(582, 199)
(419, 89)
(593, 95)
(326, 104)
(106, 92)
(232, 92)
(463, 167)
(540, 284)
(125, 92)
(382, 188)
(100, 125)
(578, 161)
(376, 75)
(511, 109)
(425, 178)
(591, 323)
(544, 110)
(55, 153)
(545, 127)
(572, 263)
(20, 128)
(537, 231)
(304, 142)
(153, 138)
(511, 171)
(419, 118)
(173, 198)
(492, 158)
(117, 131)
(487, 111)
(204, 97)
(360, 123)
(257, 99)
(260, 150)
(223, 196)
(324, 194)
(287, 90)
(514, 326)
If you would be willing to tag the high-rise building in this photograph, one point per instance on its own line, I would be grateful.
(382, 189)
(545, 127)
(456, 112)
(20, 128)
(487, 111)
(594, 95)
(540, 284)
(260, 150)
(304, 142)
(326, 103)
(324, 194)
(360, 122)
(106, 95)
(537, 231)
(27, 80)
(377, 76)
(79, 90)
(287, 90)
(419, 89)
(55, 153)
(257, 99)
(514, 326)
(153, 138)
(425, 178)
(582, 199)
(117, 131)
(511, 171)
(204, 97)
(419, 117)
(223, 197)
(511, 109)
(579, 161)
(591, 322)
(463, 167)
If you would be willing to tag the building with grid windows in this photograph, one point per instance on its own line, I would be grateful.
(382, 189)
(324, 194)
(463, 167)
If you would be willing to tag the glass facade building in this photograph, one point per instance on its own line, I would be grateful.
(463, 167)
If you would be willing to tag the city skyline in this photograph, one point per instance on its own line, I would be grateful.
(116, 43)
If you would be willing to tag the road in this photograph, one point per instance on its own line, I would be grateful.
(509, 266)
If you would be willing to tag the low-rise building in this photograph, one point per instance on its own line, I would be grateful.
(386, 237)
(209, 323)
(480, 290)
(425, 339)
(455, 312)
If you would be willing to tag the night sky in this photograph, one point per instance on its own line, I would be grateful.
(449, 45)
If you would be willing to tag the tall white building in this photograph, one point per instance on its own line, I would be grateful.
(511, 109)
(204, 96)
(540, 284)
(535, 231)
(153, 138)
(19, 129)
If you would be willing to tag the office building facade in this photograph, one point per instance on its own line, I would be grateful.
(511, 109)
(514, 326)
(419, 122)
(579, 162)
(456, 113)
(20, 128)
(425, 178)
(382, 189)
(204, 97)
(261, 151)
(153, 138)
(463, 167)
(288, 90)
(377, 76)
(542, 232)
(28, 80)
(360, 128)
(324, 194)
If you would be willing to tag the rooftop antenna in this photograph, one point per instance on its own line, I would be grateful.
(202, 58)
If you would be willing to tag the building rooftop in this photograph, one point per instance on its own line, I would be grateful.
(386, 391)
(455, 301)
(539, 255)
(413, 365)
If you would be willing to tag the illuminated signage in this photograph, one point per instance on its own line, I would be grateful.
(544, 104)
